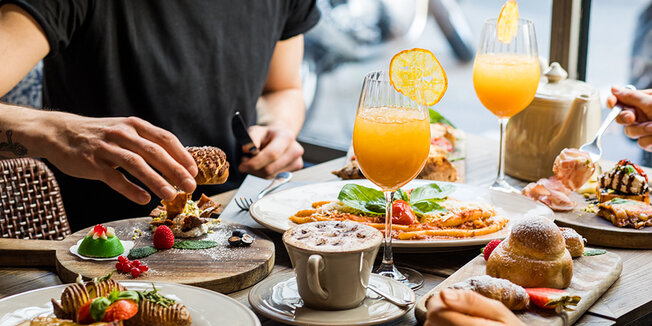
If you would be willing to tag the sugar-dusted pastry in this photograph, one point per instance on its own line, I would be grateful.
(101, 241)
(574, 242)
(533, 255)
(213, 168)
(510, 294)
(626, 181)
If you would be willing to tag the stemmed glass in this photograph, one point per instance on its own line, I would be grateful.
(505, 78)
(391, 141)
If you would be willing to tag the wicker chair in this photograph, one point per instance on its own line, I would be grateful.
(30, 201)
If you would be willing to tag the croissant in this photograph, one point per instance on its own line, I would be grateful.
(511, 295)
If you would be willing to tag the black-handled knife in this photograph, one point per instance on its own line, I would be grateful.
(242, 137)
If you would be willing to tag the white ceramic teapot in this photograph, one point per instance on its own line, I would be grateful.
(564, 113)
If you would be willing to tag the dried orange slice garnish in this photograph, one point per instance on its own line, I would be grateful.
(417, 74)
(507, 24)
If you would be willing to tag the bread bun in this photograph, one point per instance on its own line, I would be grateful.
(574, 242)
(533, 255)
(211, 163)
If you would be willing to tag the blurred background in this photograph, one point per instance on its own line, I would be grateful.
(378, 29)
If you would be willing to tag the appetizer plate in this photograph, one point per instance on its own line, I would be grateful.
(206, 307)
(277, 298)
(273, 211)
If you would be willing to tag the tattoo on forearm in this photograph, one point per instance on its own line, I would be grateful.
(9, 146)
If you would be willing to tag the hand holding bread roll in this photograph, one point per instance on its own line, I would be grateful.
(211, 163)
(533, 255)
(510, 294)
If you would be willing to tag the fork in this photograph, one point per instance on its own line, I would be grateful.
(280, 179)
(594, 148)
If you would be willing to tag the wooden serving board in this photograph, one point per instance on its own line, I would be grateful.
(223, 268)
(592, 276)
(598, 231)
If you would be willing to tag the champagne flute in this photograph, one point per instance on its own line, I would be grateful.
(391, 141)
(505, 78)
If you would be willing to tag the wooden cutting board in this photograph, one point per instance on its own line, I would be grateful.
(592, 276)
(599, 231)
(223, 268)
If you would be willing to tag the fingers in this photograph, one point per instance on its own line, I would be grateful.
(638, 130)
(626, 117)
(280, 152)
(161, 160)
(645, 143)
(118, 182)
(168, 141)
(440, 313)
(641, 100)
(471, 303)
(136, 166)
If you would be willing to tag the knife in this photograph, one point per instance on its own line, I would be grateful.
(242, 137)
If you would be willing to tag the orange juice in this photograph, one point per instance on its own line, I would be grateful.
(391, 144)
(505, 83)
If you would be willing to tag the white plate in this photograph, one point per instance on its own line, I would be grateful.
(74, 249)
(273, 211)
(206, 307)
(277, 297)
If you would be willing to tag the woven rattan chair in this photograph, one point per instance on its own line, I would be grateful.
(30, 201)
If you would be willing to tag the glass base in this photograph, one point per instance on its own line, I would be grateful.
(502, 185)
(407, 276)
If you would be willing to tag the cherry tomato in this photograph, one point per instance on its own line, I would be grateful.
(402, 213)
(84, 313)
(120, 310)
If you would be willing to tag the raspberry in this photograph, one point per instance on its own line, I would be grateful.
(135, 272)
(489, 248)
(163, 237)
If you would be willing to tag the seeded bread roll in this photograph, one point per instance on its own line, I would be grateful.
(211, 163)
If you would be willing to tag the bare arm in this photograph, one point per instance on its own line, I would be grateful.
(282, 101)
(84, 147)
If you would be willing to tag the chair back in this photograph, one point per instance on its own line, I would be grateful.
(30, 201)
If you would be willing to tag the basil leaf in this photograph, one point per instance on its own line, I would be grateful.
(436, 117)
(594, 252)
(620, 201)
(98, 308)
(430, 191)
(113, 296)
(367, 200)
(128, 295)
(428, 206)
(402, 195)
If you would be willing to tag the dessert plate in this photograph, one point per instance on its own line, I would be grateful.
(206, 307)
(125, 244)
(273, 211)
(277, 298)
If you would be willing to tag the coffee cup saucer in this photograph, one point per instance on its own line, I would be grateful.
(277, 298)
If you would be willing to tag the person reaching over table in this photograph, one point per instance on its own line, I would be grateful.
(140, 78)
(636, 115)
(467, 308)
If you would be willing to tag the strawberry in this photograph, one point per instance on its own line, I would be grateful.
(120, 310)
(489, 248)
(163, 237)
(84, 313)
(552, 299)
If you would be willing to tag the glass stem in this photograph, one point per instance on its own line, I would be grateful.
(388, 258)
(500, 178)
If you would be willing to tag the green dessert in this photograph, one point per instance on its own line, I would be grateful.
(101, 242)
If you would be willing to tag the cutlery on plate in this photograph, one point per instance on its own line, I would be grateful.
(401, 303)
(280, 179)
(594, 147)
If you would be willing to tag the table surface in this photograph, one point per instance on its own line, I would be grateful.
(627, 302)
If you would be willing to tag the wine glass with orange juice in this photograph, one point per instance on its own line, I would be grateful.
(391, 135)
(506, 72)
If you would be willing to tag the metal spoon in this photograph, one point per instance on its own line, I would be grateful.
(594, 148)
(401, 303)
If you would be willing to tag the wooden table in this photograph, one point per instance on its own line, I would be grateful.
(628, 301)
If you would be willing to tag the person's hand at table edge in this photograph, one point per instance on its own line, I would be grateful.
(93, 148)
(636, 114)
(279, 151)
(467, 308)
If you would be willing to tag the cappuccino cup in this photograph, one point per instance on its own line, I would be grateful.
(332, 261)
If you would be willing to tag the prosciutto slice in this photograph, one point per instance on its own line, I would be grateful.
(573, 168)
(551, 192)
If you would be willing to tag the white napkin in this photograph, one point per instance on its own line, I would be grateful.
(250, 188)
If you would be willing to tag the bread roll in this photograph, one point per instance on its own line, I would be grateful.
(510, 294)
(533, 255)
(574, 242)
(211, 163)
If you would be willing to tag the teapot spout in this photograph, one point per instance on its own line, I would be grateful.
(576, 117)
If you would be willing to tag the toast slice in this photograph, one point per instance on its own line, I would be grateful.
(605, 195)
